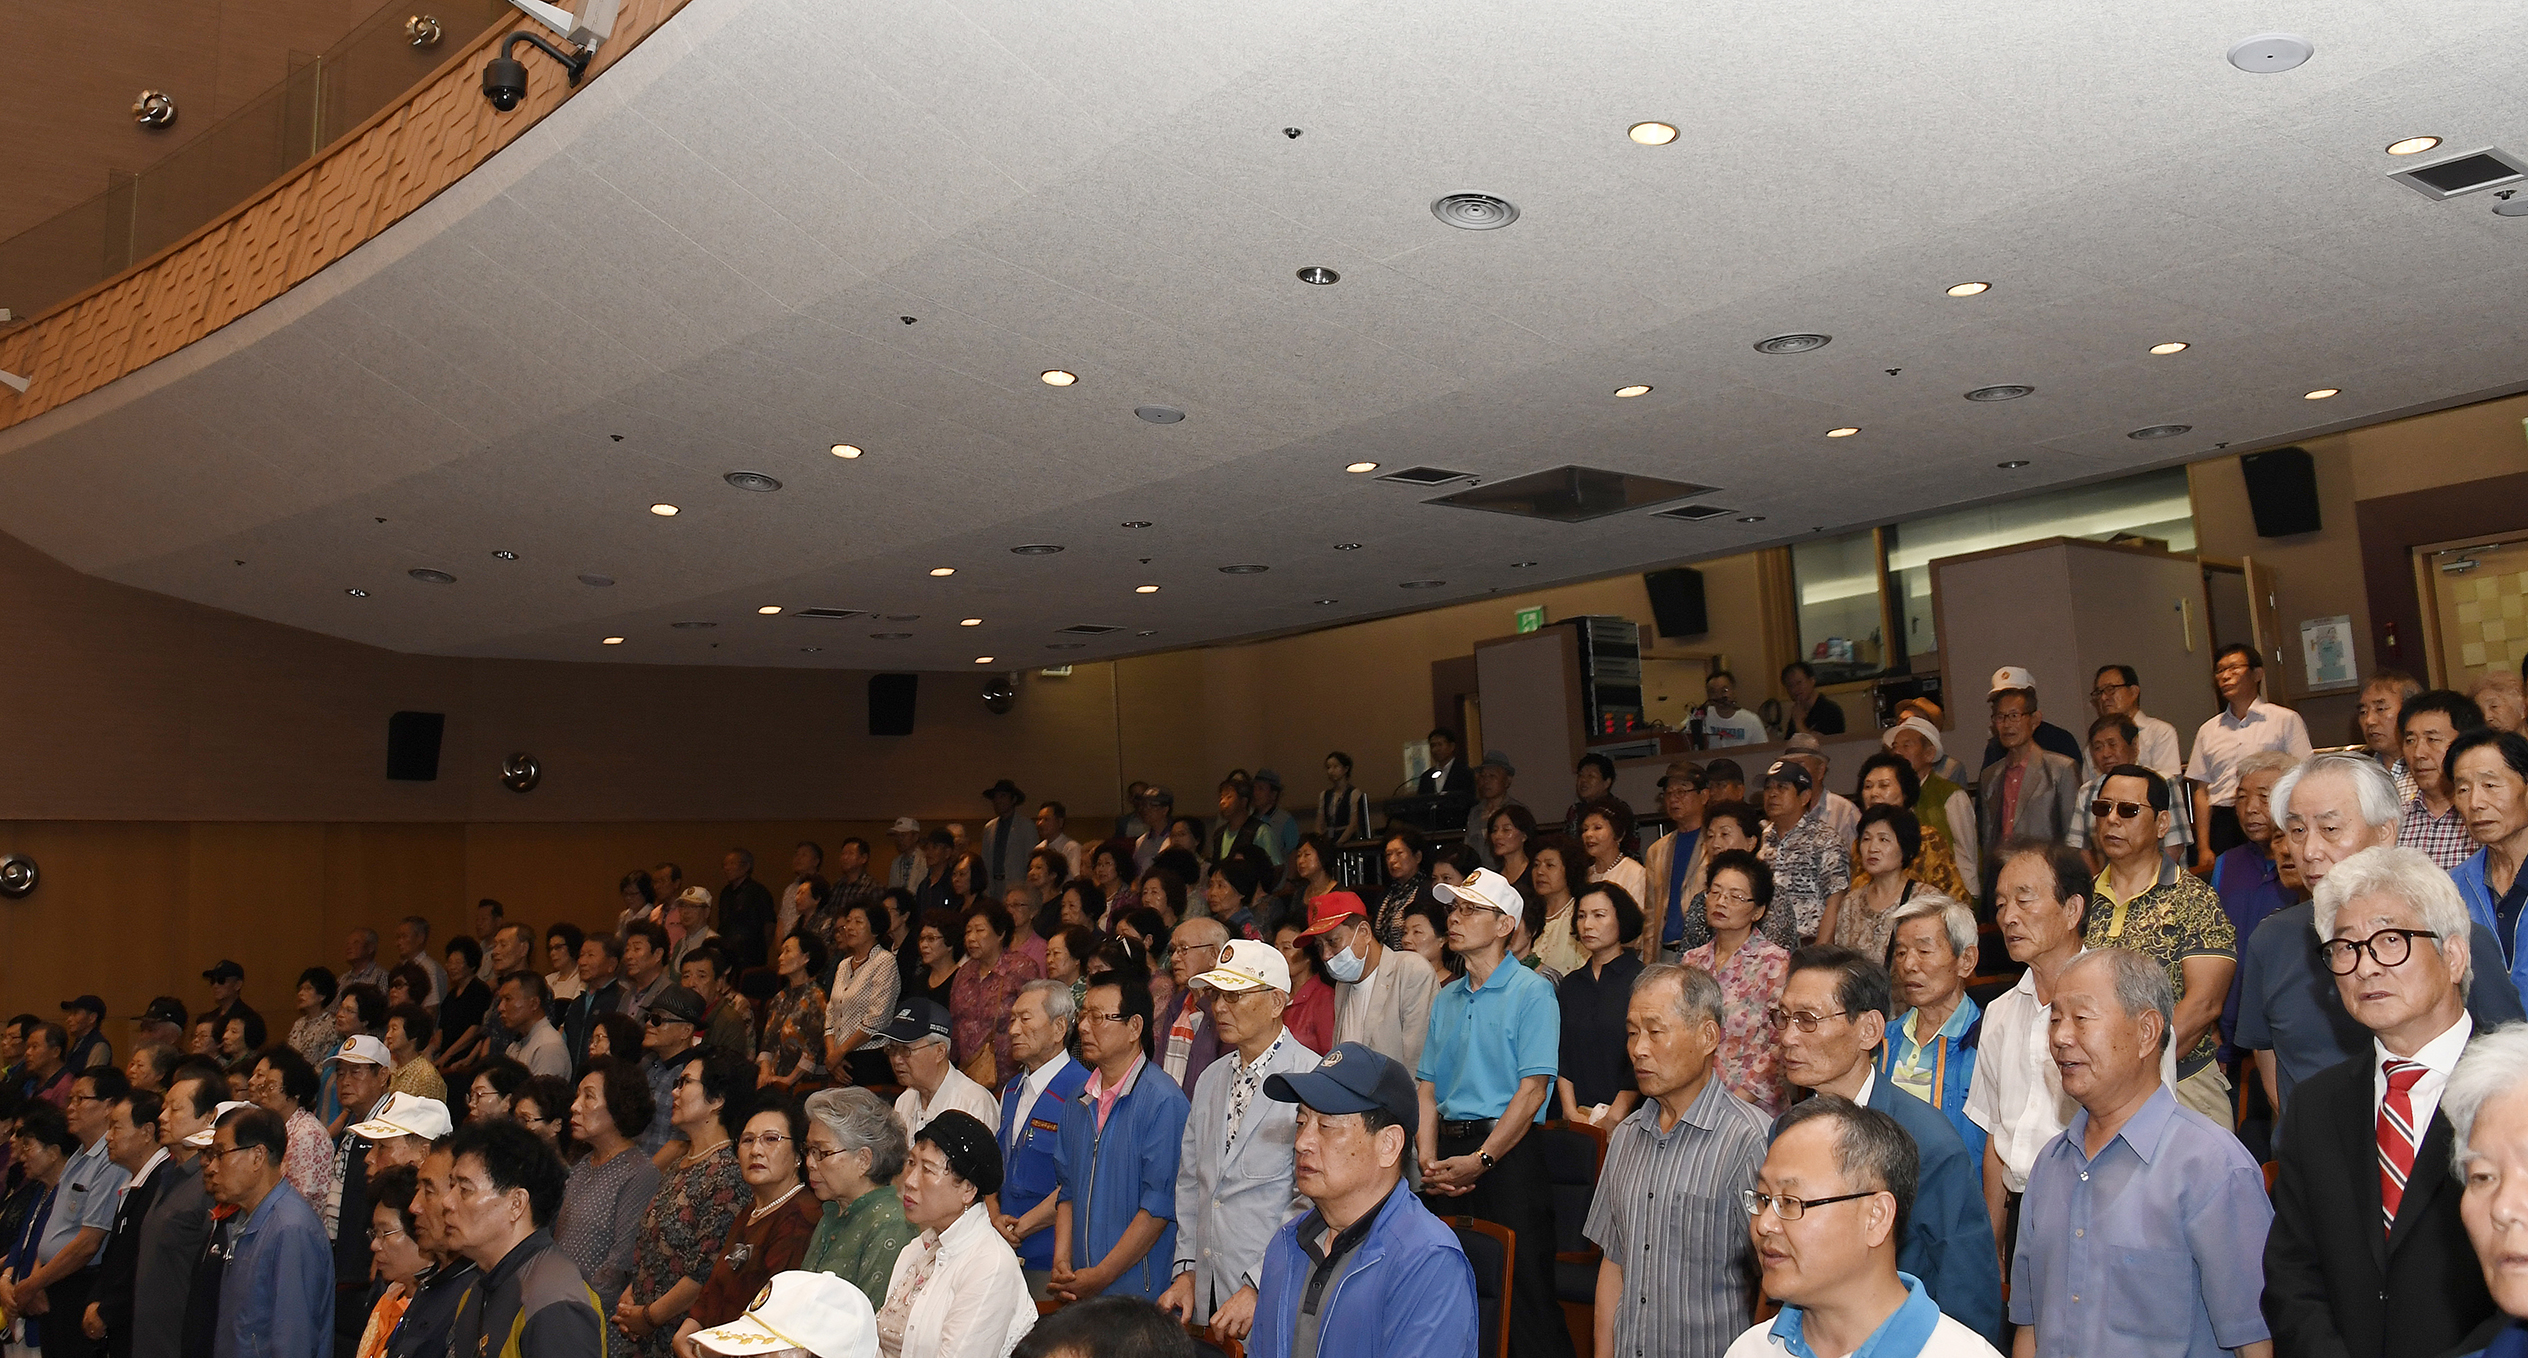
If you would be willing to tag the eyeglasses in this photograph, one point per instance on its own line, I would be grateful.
(1729, 897)
(223, 1155)
(1104, 1016)
(767, 1140)
(375, 1234)
(1183, 948)
(2389, 947)
(2102, 809)
(1803, 1020)
(1789, 1208)
(2103, 690)
(655, 1020)
(817, 1155)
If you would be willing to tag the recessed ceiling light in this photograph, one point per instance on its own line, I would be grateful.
(1319, 275)
(1359, 467)
(611, 641)
(845, 450)
(1751, 518)
(1056, 377)
(1147, 632)
(596, 581)
(1521, 565)
(1968, 289)
(357, 593)
(1420, 584)
(1347, 546)
(1134, 523)
(663, 511)
(1036, 549)
(2412, 146)
(943, 570)
(810, 650)
(2006, 391)
(2013, 464)
(1145, 589)
(983, 660)
(1635, 389)
(1798, 343)
(1247, 569)
(2160, 431)
(754, 481)
(1329, 601)
(969, 622)
(1651, 134)
(769, 609)
(506, 556)
(1845, 432)
(2171, 347)
(428, 576)
(2321, 393)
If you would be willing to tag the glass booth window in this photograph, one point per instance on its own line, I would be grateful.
(1842, 630)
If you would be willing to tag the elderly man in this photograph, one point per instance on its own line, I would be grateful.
(524, 1001)
(2145, 903)
(1447, 771)
(2426, 726)
(2245, 724)
(444, 1287)
(1941, 804)
(362, 1072)
(645, 966)
(228, 987)
(1841, 813)
(1382, 995)
(2367, 1256)
(2488, 776)
(1675, 1276)
(1157, 806)
(1052, 832)
(276, 1296)
(2487, 1107)
(2248, 879)
(504, 1186)
(1041, 1021)
(1114, 1229)
(2381, 699)
(1492, 792)
(1938, 1031)
(404, 1131)
(1189, 1042)
(1810, 869)
(1367, 1272)
(2114, 741)
(746, 911)
(1006, 841)
(2041, 900)
(64, 1272)
(80, 1018)
(2290, 1015)
(359, 960)
(2030, 791)
(2117, 692)
(1486, 1073)
(2144, 1221)
(1831, 1018)
(2046, 735)
(47, 1075)
(1672, 865)
(1233, 1175)
(178, 1219)
(905, 869)
(917, 1042)
(1827, 1216)
(412, 944)
(131, 1139)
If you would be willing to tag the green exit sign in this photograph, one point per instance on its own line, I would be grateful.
(1531, 619)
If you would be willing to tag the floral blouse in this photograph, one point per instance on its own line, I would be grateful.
(308, 1163)
(682, 1231)
(1751, 981)
(978, 1008)
(794, 1030)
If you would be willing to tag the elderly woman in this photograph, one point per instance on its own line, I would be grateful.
(986, 984)
(1164, 893)
(699, 1199)
(1726, 826)
(937, 937)
(956, 1291)
(615, 1035)
(1111, 868)
(1605, 825)
(1312, 870)
(855, 1149)
(312, 1035)
(772, 1235)
(1751, 969)
(794, 1027)
(1511, 834)
(361, 1009)
(1407, 857)
(1555, 869)
(1887, 780)
(543, 1106)
(612, 1184)
(489, 1093)
(1884, 856)
(1066, 957)
(284, 1085)
(396, 1253)
(1596, 1070)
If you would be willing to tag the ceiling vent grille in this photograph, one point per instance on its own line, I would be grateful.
(1087, 629)
(1570, 494)
(2485, 169)
(1427, 476)
(1690, 513)
(835, 613)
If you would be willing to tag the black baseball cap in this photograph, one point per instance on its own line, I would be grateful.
(1351, 1079)
(917, 1019)
(164, 1009)
(677, 1003)
(1789, 771)
(225, 971)
(88, 1002)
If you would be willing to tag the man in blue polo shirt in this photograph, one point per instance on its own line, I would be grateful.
(1488, 1065)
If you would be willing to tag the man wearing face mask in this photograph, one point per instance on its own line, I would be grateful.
(1382, 995)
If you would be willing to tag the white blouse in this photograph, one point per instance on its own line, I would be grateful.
(956, 1294)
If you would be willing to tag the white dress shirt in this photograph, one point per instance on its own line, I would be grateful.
(1031, 1087)
(955, 1091)
(2225, 740)
(2439, 1057)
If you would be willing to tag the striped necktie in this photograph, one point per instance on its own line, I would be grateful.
(2397, 1137)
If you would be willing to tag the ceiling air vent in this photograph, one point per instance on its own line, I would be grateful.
(1691, 513)
(1087, 629)
(1570, 494)
(828, 613)
(1427, 476)
(2485, 169)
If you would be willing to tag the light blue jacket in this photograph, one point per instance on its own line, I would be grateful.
(1232, 1196)
(1407, 1292)
(276, 1295)
(2478, 892)
(1128, 1166)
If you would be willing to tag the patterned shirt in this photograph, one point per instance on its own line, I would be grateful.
(794, 1029)
(858, 1244)
(2442, 838)
(1748, 1061)
(1808, 867)
(681, 1232)
(2176, 917)
(602, 1205)
(979, 1002)
(1667, 1213)
(864, 996)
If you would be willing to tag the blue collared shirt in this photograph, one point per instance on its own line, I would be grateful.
(1483, 1042)
(276, 1296)
(2153, 1247)
(1901, 1335)
(91, 1188)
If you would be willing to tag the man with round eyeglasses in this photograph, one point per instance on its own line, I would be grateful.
(2144, 902)
(1826, 1216)
(2368, 1254)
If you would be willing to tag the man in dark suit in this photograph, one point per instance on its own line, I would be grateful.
(178, 1221)
(2367, 1257)
(131, 1139)
(1448, 772)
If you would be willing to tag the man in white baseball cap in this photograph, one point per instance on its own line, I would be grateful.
(402, 1132)
(1233, 1181)
(907, 867)
(1488, 1067)
(811, 1315)
(2048, 737)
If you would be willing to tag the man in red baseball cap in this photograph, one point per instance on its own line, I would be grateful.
(1382, 995)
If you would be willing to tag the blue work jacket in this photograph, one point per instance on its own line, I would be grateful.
(1031, 1157)
(1108, 1174)
(2478, 892)
(1406, 1292)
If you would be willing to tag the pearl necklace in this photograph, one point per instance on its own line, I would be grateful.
(774, 1206)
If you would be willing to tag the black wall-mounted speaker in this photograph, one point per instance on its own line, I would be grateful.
(2281, 491)
(891, 703)
(1676, 600)
(412, 746)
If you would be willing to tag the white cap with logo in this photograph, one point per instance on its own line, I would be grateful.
(1248, 964)
(408, 1115)
(815, 1312)
(1485, 888)
(2012, 676)
(365, 1050)
(203, 1137)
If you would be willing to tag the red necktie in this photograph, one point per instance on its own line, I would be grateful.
(2397, 1137)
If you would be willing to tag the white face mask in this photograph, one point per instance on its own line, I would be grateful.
(1346, 967)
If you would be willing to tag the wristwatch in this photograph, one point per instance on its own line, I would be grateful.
(1486, 1157)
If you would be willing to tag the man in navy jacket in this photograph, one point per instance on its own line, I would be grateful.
(1368, 1272)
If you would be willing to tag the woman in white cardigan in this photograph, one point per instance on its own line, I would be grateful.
(957, 1291)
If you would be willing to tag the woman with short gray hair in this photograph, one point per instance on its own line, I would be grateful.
(855, 1149)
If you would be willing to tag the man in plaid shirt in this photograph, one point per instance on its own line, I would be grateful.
(2431, 823)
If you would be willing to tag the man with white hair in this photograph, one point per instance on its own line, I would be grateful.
(1041, 1021)
(2329, 809)
(2499, 696)
(1932, 1043)
(2367, 1255)
(2487, 1106)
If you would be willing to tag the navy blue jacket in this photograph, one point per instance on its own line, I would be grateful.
(1030, 1173)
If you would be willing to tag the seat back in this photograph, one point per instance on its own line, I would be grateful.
(1574, 1153)
(1205, 1345)
(1492, 1249)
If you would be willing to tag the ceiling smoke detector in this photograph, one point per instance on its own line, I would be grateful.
(1035, 549)
(1474, 211)
(754, 481)
(1801, 343)
(428, 576)
(2161, 431)
(2267, 53)
(2007, 391)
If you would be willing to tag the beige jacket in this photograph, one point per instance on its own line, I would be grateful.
(1656, 863)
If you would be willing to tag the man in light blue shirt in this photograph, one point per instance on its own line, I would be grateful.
(83, 1207)
(276, 1295)
(2143, 1229)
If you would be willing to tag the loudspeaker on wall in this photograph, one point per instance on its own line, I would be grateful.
(2281, 491)
(412, 746)
(891, 703)
(1676, 600)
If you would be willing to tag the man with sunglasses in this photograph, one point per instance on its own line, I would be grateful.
(2367, 1255)
(669, 1029)
(2143, 902)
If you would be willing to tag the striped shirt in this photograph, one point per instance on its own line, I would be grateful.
(1667, 1213)
(2442, 838)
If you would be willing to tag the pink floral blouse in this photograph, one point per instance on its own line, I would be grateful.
(1749, 1062)
(978, 1008)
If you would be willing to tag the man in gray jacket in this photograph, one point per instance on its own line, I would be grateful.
(1233, 1176)
(2030, 792)
(172, 1234)
(1382, 995)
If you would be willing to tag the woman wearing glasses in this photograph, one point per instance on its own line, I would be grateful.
(772, 1234)
(855, 1149)
(1751, 969)
(700, 1197)
(612, 1184)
